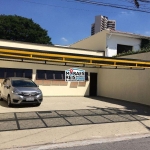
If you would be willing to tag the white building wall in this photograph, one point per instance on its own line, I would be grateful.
(52, 90)
(41, 47)
(96, 42)
(126, 84)
(113, 40)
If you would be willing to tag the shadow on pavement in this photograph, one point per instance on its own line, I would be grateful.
(3, 103)
(129, 107)
(140, 109)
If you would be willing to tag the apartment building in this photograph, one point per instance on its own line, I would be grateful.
(102, 23)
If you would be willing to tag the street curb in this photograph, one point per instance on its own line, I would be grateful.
(48, 146)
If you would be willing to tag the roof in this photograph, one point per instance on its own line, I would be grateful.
(17, 45)
(37, 44)
(116, 32)
(128, 34)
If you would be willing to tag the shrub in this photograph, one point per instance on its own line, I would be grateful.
(130, 52)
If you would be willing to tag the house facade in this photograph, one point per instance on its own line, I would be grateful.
(124, 84)
(112, 42)
(49, 75)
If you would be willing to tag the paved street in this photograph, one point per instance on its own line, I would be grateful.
(136, 144)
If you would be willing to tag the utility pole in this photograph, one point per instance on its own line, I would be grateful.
(136, 3)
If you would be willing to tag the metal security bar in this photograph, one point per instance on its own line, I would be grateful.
(73, 59)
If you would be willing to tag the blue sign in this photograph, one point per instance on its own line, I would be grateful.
(75, 74)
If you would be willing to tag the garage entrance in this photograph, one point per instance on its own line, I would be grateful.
(93, 84)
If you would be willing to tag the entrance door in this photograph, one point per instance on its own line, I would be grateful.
(93, 84)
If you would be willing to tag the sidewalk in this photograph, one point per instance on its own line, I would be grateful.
(75, 132)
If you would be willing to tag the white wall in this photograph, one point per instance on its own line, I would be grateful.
(113, 40)
(41, 47)
(130, 85)
(96, 42)
(52, 90)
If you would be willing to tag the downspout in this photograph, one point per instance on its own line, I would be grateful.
(107, 45)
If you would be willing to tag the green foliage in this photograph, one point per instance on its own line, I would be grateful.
(143, 50)
(145, 47)
(18, 28)
(145, 43)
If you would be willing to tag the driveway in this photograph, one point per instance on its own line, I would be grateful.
(63, 119)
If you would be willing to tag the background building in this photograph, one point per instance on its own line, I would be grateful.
(102, 23)
(111, 24)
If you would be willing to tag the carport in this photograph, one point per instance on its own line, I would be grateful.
(40, 63)
(65, 58)
(69, 118)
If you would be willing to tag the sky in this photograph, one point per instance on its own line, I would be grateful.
(68, 21)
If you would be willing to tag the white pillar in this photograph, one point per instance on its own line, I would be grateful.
(34, 75)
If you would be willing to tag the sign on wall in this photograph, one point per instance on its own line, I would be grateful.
(75, 74)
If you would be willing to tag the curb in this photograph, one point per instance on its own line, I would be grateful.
(83, 142)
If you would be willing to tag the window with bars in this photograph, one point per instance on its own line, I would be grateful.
(13, 72)
(50, 75)
(53, 75)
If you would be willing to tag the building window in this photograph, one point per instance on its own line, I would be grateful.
(53, 75)
(28, 73)
(13, 72)
(40, 74)
(19, 72)
(49, 74)
(2, 73)
(58, 75)
(123, 48)
(9, 72)
(63, 75)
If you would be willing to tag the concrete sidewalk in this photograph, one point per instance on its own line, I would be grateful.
(52, 135)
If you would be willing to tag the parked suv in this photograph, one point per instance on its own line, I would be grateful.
(20, 91)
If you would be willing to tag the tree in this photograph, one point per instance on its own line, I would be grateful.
(18, 28)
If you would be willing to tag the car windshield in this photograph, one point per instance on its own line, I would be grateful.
(23, 83)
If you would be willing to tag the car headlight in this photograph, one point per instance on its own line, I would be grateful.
(39, 92)
(17, 92)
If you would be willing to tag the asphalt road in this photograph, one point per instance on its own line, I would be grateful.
(136, 144)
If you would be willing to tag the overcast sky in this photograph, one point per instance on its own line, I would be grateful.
(68, 21)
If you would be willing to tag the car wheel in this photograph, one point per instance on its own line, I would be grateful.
(9, 101)
(38, 104)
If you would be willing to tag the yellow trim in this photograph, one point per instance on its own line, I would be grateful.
(64, 58)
